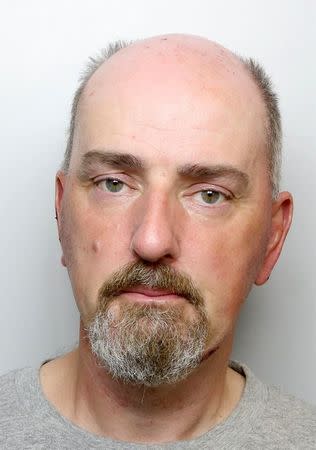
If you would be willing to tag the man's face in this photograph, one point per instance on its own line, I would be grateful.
(168, 167)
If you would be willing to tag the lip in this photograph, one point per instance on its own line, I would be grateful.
(148, 294)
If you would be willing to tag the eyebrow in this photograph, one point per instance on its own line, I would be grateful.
(113, 159)
(128, 161)
(198, 171)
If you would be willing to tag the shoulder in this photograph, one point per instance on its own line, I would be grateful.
(269, 418)
(9, 397)
(16, 403)
(285, 422)
(289, 411)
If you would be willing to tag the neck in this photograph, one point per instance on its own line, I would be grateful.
(87, 395)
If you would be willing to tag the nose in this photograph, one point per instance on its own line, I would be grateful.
(154, 236)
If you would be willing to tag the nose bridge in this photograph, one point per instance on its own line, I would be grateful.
(154, 235)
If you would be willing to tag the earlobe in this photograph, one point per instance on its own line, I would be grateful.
(282, 211)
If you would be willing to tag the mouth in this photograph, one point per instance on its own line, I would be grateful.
(148, 295)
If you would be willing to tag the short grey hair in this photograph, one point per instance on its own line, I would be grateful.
(256, 72)
(274, 124)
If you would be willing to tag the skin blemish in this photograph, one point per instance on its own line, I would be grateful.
(96, 246)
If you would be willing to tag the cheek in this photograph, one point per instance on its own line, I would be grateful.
(90, 252)
(226, 261)
(87, 235)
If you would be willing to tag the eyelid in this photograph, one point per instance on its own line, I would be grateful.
(219, 202)
(202, 187)
(111, 176)
(128, 185)
(126, 180)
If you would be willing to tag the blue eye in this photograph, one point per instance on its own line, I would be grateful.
(111, 185)
(211, 197)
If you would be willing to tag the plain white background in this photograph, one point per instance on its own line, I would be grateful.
(43, 46)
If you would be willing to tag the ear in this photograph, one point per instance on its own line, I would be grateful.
(282, 211)
(59, 192)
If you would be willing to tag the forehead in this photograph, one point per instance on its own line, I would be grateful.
(180, 98)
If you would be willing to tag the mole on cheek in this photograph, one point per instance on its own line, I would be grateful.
(96, 246)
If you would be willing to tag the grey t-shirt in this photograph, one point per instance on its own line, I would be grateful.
(263, 419)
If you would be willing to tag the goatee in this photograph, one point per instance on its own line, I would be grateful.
(148, 344)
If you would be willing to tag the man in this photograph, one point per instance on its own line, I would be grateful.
(168, 210)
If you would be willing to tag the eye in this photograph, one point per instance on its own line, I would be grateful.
(212, 197)
(111, 184)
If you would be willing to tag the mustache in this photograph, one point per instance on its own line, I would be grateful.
(154, 276)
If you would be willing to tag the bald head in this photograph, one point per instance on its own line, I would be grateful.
(174, 71)
(195, 54)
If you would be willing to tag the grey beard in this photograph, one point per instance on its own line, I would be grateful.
(148, 344)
